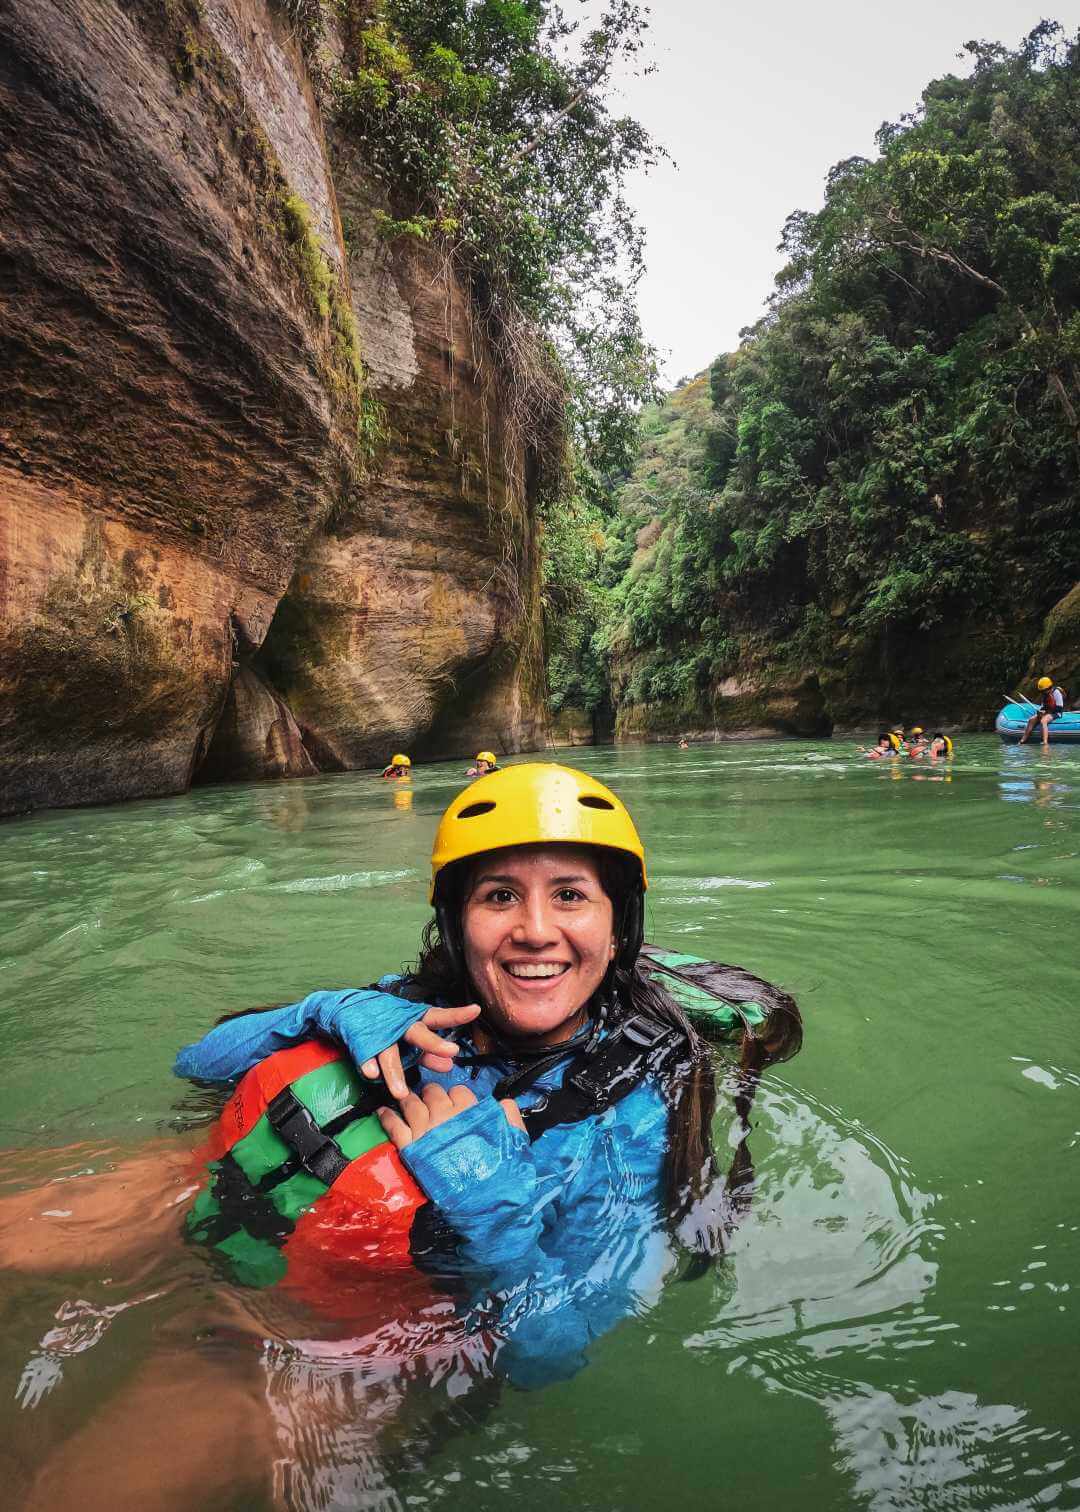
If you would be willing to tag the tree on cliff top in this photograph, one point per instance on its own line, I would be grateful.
(488, 121)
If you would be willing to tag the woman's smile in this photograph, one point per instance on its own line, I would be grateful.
(535, 970)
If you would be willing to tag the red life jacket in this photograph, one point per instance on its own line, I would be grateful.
(300, 1169)
(301, 1174)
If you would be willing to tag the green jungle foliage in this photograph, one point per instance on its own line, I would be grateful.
(889, 463)
(577, 605)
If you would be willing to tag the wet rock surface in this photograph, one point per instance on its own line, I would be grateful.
(181, 488)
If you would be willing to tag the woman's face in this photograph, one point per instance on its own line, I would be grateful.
(538, 938)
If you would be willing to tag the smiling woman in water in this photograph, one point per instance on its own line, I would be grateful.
(547, 1068)
(524, 1114)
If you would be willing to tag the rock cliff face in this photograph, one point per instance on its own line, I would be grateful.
(1057, 651)
(736, 708)
(203, 571)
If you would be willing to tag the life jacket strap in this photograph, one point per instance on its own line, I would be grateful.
(319, 1154)
(640, 1045)
(242, 1205)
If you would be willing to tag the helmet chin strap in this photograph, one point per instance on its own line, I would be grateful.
(631, 931)
(452, 939)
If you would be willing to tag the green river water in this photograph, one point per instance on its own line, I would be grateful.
(896, 1323)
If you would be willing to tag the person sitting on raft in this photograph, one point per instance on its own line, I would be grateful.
(561, 1112)
(486, 761)
(400, 766)
(940, 745)
(1051, 706)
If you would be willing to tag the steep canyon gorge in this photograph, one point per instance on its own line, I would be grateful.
(262, 509)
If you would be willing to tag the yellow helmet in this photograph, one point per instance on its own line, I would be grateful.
(400, 761)
(488, 756)
(530, 804)
(916, 729)
(1044, 683)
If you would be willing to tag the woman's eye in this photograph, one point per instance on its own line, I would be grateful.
(569, 895)
(500, 895)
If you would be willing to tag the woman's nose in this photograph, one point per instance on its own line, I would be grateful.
(533, 925)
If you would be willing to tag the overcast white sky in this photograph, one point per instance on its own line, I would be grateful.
(755, 102)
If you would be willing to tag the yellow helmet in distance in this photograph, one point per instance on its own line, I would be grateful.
(488, 756)
(400, 761)
(1044, 683)
(916, 729)
(528, 805)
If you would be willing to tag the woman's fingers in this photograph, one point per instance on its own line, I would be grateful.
(450, 1018)
(437, 1104)
(440, 1063)
(425, 1039)
(414, 1112)
(392, 1074)
(394, 1127)
(512, 1111)
(442, 1105)
(419, 1114)
(438, 1053)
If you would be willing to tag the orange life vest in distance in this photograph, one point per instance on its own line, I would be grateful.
(300, 1171)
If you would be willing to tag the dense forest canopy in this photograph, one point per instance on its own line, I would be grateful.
(875, 497)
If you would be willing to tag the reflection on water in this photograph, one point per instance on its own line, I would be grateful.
(892, 1326)
(837, 1261)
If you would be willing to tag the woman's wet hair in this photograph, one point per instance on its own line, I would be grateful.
(695, 1189)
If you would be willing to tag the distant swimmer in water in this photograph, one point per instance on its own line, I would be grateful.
(918, 745)
(896, 739)
(485, 762)
(940, 745)
(400, 768)
(878, 752)
(684, 744)
(1051, 707)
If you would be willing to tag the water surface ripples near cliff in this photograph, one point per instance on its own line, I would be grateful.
(895, 1324)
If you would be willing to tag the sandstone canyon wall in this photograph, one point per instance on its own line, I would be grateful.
(204, 571)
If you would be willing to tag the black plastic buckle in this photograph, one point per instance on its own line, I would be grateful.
(643, 1031)
(318, 1154)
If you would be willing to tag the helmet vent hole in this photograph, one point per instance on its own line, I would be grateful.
(473, 810)
(589, 800)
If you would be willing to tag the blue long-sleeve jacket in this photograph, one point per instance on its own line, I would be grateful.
(560, 1238)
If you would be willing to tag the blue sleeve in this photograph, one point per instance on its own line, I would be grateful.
(556, 1250)
(479, 1172)
(366, 1021)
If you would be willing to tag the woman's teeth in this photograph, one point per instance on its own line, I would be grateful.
(539, 969)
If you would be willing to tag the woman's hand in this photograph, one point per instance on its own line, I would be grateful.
(438, 1053)
(434, 1106)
